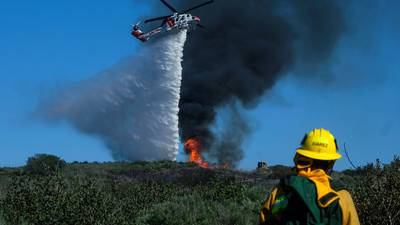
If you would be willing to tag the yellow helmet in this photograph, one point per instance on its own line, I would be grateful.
(319, 144)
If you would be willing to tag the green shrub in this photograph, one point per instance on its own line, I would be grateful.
(377, 193)
(183, 210)
(43, 164)
(193, 209)
(167, 193)
(101, 198)
(56, 200)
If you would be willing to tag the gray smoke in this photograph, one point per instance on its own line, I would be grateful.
(133, 106)
(232, 129)
(247, 47)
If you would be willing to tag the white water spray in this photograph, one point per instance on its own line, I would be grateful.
(132, 107)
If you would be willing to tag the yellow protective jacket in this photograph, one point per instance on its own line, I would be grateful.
(321, 181)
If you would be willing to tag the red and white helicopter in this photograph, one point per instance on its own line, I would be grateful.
(178, 20)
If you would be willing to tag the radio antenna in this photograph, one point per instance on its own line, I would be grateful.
(348, 157)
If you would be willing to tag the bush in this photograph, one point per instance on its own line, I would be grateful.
(55, 200)
(193, 209)
(377, 193)
(182, 210)
(43, 164)
(93, 198)
(167, 193)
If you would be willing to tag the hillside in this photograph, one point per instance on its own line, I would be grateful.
(166, 193)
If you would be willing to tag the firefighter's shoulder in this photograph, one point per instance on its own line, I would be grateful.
(349, 212)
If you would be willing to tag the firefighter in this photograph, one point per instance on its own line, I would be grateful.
(310, 196)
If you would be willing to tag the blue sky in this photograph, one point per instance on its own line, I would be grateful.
(48, 44)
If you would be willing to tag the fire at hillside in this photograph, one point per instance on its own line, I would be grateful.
(193, 149)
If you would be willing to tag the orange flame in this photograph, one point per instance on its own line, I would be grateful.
(192, 147)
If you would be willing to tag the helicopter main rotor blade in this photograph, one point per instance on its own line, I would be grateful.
(198, 6)
(157, 18)
(169, 6)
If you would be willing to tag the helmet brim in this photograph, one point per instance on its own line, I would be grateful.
(318, 155)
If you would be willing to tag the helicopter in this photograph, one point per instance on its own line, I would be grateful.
(176, 21)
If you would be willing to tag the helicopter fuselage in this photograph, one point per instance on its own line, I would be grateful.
(176, 21)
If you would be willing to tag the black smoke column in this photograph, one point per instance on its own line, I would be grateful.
(244, 50)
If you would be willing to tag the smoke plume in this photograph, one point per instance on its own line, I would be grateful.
(133, 106)
(246, 48)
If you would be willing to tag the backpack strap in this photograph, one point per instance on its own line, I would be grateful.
(325, 193)
(327, 199)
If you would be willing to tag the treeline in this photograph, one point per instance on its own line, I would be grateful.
(49, 191)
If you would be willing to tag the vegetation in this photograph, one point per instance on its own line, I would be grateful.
(376, 192)
(43, 164)
(48, 191)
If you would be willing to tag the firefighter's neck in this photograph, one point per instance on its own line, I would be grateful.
(313, 170)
